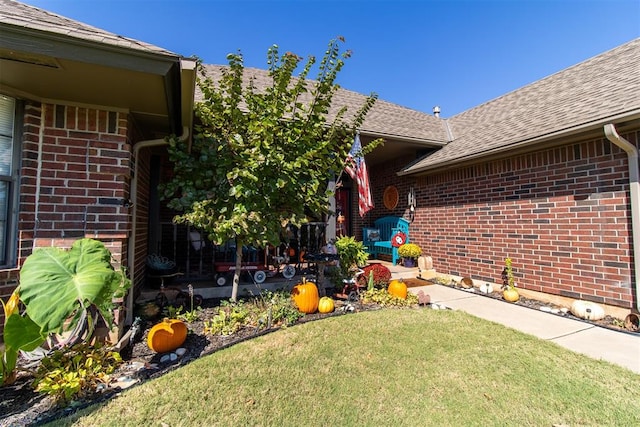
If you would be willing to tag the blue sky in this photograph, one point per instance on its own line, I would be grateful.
(456, 54)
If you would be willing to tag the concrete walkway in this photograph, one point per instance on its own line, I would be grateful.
(620, 348)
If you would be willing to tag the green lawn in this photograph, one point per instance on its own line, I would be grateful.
(391, 367)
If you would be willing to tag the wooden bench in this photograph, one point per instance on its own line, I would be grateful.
(377, 239)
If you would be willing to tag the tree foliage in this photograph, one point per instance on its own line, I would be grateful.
(261, 157)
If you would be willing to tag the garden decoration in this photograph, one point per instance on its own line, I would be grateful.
(509, 293)
(466, 282)
(632, 322)
(398, 288)
(410, 253)
(398, 239)
(305, 296)
(486, 288)
(167, 335)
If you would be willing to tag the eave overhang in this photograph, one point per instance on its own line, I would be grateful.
(155, 87)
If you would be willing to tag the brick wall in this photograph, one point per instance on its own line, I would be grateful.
(75, 175)
(380, 177)
(84, 172)
(562, 215)
(142, 217)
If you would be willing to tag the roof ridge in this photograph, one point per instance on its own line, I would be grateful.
(385, 119)
(344, 90)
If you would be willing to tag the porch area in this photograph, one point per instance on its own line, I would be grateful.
(248, 287)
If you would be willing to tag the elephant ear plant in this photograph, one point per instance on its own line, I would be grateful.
(61, 290)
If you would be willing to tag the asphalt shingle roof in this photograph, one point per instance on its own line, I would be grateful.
(384, 119)
(26, 16)
(602, 87)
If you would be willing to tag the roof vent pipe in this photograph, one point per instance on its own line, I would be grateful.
(634, 193)
(436, 111)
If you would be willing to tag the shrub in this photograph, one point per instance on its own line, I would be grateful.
(265, 311)
(352, 255)
(381, 276)
(409, 250)
(75, 372)
(385, 299)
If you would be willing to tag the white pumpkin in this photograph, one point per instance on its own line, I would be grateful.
(587, 310)
(425, 263)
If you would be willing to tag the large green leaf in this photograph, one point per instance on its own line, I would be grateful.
(56, 283)
(21, 333)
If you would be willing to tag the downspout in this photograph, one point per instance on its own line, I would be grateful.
(134, 216)
(36, 209)
(634, 191)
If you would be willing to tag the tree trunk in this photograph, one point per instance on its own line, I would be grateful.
(236, 273)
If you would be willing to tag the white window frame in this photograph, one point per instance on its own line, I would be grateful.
(11, 110)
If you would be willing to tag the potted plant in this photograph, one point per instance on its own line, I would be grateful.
(509, 291)
(352, 254)
(378, 274)
(410, 253)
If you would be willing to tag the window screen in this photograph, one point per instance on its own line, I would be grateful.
(7, 122)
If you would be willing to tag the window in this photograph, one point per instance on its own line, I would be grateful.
(8, 177)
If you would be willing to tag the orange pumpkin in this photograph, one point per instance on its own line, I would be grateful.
(511, 295)
(305, 296)
(167, 335)
(326, 305)
(398, 288)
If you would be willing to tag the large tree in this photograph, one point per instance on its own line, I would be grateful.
(262, 157)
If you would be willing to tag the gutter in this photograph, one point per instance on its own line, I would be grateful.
(134, 217)
(634, 191)
(115, 51)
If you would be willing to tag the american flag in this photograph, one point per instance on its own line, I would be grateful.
(357, 170)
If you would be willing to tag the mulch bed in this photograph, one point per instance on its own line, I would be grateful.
(608, 322)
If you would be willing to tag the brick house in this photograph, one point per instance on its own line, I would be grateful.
(80, 112)
(546, 175)
(530, 175)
